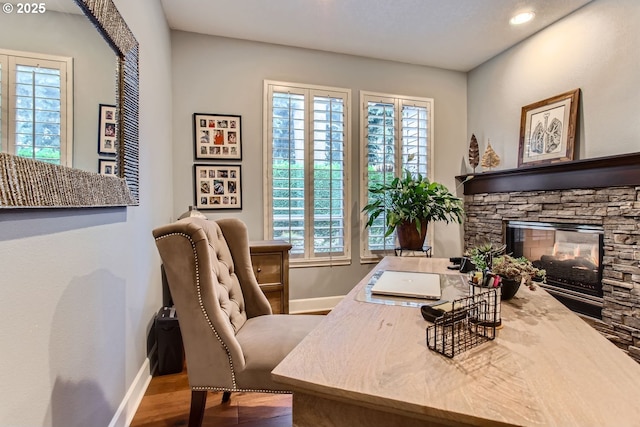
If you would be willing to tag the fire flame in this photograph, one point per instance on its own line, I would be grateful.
(568, 250)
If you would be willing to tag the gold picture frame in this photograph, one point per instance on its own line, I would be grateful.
(548, 130)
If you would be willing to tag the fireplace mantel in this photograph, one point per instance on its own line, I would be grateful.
(600, 172)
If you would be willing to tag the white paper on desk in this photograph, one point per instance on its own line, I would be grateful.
(408, 284)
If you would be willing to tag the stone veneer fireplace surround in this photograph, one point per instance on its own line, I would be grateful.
(604, 192)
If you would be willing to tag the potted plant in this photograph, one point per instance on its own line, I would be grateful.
(514, 272)
(482, 256)
(409, 203)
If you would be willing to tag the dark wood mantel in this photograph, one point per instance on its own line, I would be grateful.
(600, 172)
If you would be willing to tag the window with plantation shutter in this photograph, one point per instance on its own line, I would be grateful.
(306, 155)
(36, 102)
(396, 134)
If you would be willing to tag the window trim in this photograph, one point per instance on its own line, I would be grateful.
(366, 256)
(4, 101)
(268, 88)
(65, 64)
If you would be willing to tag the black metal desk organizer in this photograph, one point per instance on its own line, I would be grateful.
(472, 321)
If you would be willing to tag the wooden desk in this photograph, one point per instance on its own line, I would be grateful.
(368, 365)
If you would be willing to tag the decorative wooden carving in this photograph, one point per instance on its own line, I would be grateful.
(474, 153)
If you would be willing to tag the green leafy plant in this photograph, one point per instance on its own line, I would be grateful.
(412, 199)
(482, 256)
(518, 269)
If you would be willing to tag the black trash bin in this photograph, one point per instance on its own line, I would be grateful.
(169, 339)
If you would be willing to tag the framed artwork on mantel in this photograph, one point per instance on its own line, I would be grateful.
(217, 136)
(548, 130)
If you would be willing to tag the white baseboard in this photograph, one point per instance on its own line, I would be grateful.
(309, 305)
(131, 401)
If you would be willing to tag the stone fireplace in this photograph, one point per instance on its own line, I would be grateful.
(601, 195)
(571, 255)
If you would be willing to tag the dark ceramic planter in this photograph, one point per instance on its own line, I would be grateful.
(509, 288)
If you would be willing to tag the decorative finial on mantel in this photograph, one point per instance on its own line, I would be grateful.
(490, 159)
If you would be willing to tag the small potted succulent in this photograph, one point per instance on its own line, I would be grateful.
(490, 260)
(482, 256)
(514, 272)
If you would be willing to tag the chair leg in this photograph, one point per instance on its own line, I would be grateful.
(226, 396)
(198, 402)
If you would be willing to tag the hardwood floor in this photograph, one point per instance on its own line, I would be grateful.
(167, 399)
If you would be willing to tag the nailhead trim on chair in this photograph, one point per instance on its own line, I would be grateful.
(206, 315)
(239, 390)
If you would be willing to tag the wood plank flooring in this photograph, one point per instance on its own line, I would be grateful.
(167, 400)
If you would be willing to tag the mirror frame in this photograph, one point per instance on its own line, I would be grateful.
(27, 183)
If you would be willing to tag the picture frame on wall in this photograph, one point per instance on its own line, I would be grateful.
(107, 167)
(217, 136)
(107, 129)
(217, 186)
(548, 130)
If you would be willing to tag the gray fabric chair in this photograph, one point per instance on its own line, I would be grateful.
(232, 341)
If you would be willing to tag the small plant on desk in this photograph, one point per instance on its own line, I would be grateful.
(482, 256)
(518, 269)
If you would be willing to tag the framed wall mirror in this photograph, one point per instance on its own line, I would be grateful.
(26, 182)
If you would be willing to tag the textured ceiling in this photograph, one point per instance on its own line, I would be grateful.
(450, 34)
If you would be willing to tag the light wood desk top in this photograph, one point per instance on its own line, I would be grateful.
(546, 367)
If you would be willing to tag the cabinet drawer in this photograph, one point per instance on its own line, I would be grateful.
(267, 267)
(275, 300)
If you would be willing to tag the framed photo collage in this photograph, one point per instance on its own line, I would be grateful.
(107, 139)
(217, 137)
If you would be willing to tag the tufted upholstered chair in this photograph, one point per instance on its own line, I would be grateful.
(232, 341)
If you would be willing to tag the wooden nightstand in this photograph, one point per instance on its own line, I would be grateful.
(270, 259)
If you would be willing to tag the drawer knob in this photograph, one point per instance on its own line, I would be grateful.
(259, 269)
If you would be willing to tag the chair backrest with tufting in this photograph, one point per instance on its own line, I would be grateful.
(209, 292)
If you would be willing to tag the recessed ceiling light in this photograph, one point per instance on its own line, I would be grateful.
(521, 18)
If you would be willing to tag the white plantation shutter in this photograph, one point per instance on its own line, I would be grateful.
(36, 107)
(4, 111)
(287, 166)
(396, 135)
(329, 177)
(306, 193)
(380, 137)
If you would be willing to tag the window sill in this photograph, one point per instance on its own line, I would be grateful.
(328, 262)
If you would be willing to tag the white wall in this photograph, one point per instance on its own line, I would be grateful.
(594, 49)
(225, 76)
(80, 287)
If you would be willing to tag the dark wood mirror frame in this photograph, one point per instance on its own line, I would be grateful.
(26, 183)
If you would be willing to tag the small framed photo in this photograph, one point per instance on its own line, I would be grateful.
(217, 136)
(107, 129)
(548, 130)
(217, 186)
(107, 167)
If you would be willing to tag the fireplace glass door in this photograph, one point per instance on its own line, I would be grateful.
(571, 255)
